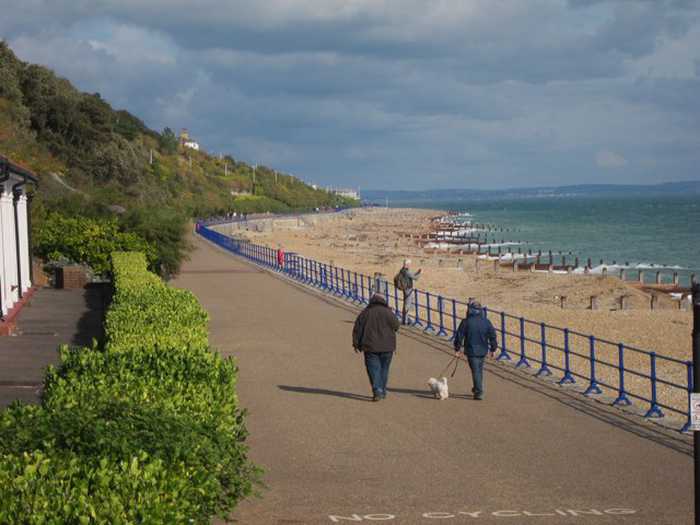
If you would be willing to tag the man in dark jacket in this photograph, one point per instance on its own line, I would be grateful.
(374, 334)
(477, 336)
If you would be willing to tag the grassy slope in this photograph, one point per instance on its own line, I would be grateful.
(49, 126)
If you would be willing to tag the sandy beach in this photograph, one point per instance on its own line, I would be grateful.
(374, 240)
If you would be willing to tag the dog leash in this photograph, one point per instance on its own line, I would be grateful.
(442, 372)
(457, 360)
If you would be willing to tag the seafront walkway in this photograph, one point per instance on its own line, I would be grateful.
(529, 453)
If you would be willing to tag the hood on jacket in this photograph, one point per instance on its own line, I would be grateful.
(378, 298)
(475, 310)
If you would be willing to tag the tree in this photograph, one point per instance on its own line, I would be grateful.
(168, 142)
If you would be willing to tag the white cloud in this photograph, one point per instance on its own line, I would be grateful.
(610, 159)
(129, 45)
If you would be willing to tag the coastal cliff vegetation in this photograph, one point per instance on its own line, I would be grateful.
(106, 166)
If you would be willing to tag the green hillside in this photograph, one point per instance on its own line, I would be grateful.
(95, 161)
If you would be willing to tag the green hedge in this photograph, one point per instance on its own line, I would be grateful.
(146, 430)
(85, 240)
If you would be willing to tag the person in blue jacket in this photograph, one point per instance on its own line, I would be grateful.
(476, 336)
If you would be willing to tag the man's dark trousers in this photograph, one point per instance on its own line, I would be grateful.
(378, 364)
(477, 366)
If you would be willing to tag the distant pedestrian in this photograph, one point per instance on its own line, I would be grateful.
(280, 257)
(404, 281)
(476, 336)
(374, 334)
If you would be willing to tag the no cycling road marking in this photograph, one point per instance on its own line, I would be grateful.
(477, 514)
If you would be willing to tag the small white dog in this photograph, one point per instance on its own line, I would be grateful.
(439, 388)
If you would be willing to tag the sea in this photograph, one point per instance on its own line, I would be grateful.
(659, 231)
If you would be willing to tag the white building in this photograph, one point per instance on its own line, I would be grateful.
(15, 259)
(187, 141)
(347, 193)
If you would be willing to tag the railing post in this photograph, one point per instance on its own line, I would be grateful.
(441, 330)
(454, 320)
(416, 298)
(522, 362)
(503, 354)
(324, 276)
(429, 325)
(356, 297)
(593, 387)
(622, 399)
(397, 312)
(689, 368)
(654, 409)
(343, 292)
(544, 369)
(567, 378)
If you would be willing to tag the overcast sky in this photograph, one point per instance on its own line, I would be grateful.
(396, 94)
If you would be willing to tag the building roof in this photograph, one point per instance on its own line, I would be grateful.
(7, 167)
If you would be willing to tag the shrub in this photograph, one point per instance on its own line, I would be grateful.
(165, 230)
(86, 240)
(145, 430)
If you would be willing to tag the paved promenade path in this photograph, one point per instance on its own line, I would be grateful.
(529, 453)
(51, 318)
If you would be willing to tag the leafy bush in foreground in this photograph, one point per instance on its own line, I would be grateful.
(85, 240)
(146, 430)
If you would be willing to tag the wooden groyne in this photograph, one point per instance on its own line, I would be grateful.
(467, 238)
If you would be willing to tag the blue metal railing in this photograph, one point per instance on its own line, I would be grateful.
(600, 365)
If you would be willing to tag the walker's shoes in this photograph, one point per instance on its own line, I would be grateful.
(376, 398)
(478, 397)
